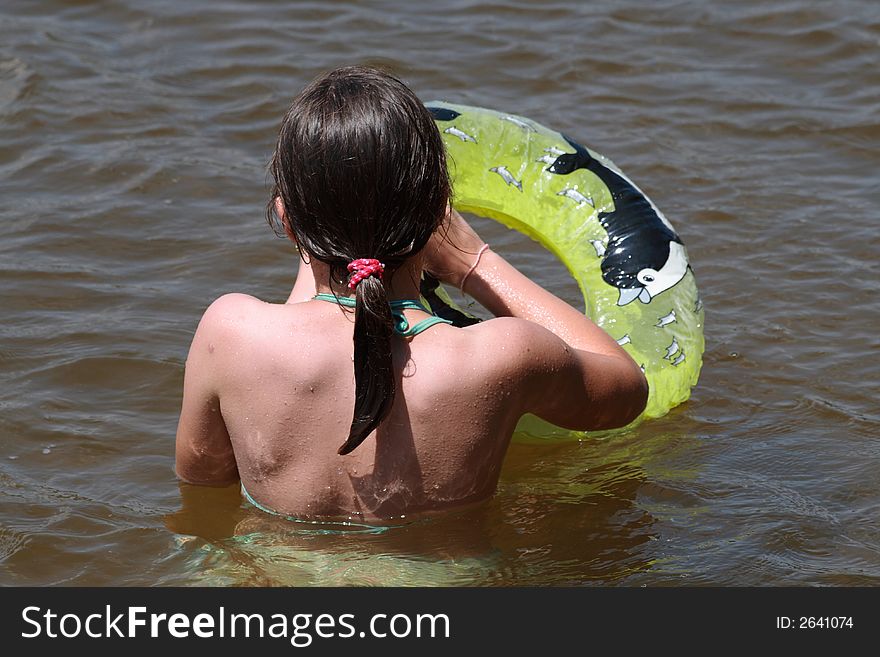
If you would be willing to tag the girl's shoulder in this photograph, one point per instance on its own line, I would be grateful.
(236, 308)
(230, 310)
(515, 344)
(231, 301)
(503, 332)
(521, 349)
(236, 316)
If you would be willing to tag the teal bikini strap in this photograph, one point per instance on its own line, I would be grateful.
(322, 526)
(401, 325)
(262, 508)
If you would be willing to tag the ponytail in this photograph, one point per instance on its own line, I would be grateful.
(373, 370)
(360, 169)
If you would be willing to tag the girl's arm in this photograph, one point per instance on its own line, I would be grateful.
(575, 374)
(203, 451)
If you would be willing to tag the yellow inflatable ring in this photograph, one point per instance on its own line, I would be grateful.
(630, 264)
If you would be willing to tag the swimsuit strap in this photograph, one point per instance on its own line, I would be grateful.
(262, 508)
(323, 526)
(401, 325)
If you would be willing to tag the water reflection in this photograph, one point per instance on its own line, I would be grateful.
(564, 514)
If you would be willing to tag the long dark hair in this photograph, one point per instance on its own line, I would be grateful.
(360, 169)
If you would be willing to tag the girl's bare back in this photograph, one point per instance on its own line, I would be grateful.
(284, 375)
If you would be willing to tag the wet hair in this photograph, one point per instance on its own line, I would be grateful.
(360, 169)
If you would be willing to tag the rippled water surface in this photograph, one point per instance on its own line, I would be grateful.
(133, 144)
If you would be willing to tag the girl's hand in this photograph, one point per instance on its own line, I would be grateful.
(453, 249)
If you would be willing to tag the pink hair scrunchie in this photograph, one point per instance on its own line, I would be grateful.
(364, 268)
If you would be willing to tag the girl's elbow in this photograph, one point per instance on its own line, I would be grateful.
(642, 391)
(634, 397)
(626, 405)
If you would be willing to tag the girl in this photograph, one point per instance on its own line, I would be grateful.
(351, 400)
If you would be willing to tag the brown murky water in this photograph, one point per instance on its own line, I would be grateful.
(133, 143)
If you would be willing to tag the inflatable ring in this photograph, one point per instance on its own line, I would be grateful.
(630, 264)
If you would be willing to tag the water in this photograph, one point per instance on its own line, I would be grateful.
(133, 144)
